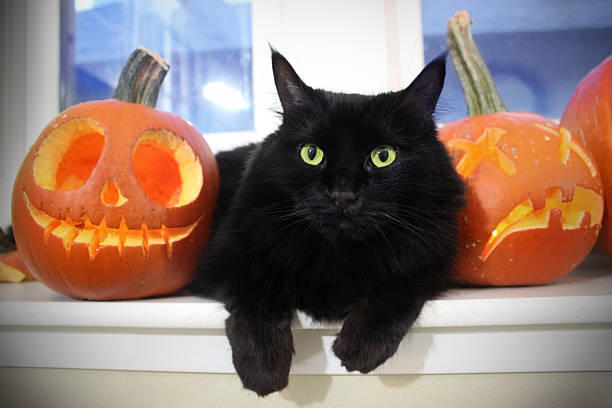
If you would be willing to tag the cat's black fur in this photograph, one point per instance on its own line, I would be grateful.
(343, 240)
(7, 240)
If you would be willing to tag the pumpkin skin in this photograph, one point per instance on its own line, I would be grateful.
(589, 116)
(534, 199)
(103, 237)
(13, 269)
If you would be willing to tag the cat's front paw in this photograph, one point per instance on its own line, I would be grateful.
(363, 353)
(261, 352)
(263, 377)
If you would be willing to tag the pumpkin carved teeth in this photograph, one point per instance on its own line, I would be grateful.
(98, 236)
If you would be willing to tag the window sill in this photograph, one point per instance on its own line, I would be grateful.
(566, 326)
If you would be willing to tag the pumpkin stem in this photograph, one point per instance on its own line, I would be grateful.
(141, 78)
(479, 90)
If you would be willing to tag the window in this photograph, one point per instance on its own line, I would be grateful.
(220, 77)
(537, 51)
(207, 44)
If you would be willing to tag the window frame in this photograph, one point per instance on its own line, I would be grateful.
(29, 84)
(42, 86)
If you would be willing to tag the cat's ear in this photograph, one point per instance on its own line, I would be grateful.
(427, 86)
(291, 90)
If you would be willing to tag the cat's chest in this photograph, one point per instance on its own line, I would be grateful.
(322, 264)
(326, 283)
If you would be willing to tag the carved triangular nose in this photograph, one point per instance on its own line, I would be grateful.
(111, 195)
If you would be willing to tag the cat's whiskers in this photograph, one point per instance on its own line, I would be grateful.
(280, 213)
(290, 227)
(425, 236)
(421, 211)
(432, 222)
(435, 230)
(387, 243)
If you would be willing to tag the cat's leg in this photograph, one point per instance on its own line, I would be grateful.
(373, 330)
(262, 346)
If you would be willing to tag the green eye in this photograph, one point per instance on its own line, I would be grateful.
(311, 154)
(383, 156)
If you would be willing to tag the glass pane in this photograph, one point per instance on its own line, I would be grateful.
(537, 51)
(207, 43)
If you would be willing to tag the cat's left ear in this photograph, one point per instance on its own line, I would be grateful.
(427, 86)
(292, 91)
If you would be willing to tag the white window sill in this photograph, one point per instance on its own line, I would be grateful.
(566, 326)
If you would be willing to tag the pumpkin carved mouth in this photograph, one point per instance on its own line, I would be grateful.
(525, 217)
(97, 236)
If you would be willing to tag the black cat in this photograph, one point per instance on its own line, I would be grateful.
(346, 212)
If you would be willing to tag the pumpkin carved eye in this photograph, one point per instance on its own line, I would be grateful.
(166, 168)
(67, 157)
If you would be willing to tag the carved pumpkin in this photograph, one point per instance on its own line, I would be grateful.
(13, 269)
(588, 115)
(535, 200)
(115, 199)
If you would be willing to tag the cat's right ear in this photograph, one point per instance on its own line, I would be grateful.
(291, 90)
(427, 86)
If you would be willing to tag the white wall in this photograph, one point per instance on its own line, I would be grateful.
(22, 387)
(357, 46)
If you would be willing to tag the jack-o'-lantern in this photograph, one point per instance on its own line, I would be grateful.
(589, 116)
(115, 199)
(534, 194)
(13, 269)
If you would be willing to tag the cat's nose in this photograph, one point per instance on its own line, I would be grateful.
(342, 199)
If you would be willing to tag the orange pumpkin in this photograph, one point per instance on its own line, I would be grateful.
(534, 195)
(115, 199)
(589, 116)
(13, 269)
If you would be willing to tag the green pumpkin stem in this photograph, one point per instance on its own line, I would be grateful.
(141, 78)
(481, 96)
